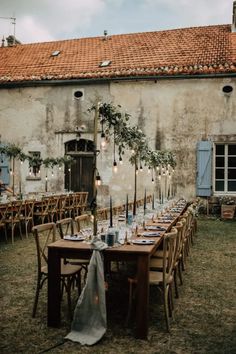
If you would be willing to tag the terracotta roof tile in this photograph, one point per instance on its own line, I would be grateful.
(190, 51)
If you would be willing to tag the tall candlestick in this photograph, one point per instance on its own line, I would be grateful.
(153, 202)
(145, 200)
(111, 222)
(127, 207)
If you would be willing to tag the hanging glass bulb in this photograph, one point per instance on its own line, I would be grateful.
(120, 160)
(149, 170)
(152, 180)
(159, 176)
(141, 168)
(103, 140)
(11, 172)
(52, 173)
(115, 168)
(30, 172)
(98, 180)
(46, 178)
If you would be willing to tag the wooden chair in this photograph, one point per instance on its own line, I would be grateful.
(162, 279)
(28, 216)
(45, 234)
(66, 227)
(3, 216)
(14, 217)
(102, 214)
(42, 212)
(156, 261)
(83, 222)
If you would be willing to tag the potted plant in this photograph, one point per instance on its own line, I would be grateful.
(227, 207)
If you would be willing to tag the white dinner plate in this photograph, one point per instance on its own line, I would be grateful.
(74, 237)
(143, 242)
(151, 234)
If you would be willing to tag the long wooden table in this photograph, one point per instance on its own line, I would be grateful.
(141, 254)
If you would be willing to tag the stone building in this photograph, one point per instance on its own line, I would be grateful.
(179, 86)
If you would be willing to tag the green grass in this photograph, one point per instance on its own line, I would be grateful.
(204, 315)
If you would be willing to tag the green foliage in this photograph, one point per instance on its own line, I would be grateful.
(13, 151)
(131, 137)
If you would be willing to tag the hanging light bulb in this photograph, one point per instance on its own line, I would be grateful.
(46, 178)
(152, 180)
(141, 168)
(11, 172)
(98, 180)
(52, 173)
(159, 176)
(157, 168)
(115, 168)
(30, 172)
(149, 170)
(59, 168)
(120, 160)
(103, 140)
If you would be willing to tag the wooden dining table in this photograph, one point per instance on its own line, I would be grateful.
(140, 254)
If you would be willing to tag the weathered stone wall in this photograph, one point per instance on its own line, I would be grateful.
(174, 114)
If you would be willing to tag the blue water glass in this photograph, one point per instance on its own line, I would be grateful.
(110, 239)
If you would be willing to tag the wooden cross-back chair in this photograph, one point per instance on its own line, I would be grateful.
(45, 234)
(14, 217)
(3, 216)
(162, 279)
(66, 227)
(28, 216)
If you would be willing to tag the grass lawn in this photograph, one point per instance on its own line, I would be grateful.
(204, 317)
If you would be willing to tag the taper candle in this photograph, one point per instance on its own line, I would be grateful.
(111, 221)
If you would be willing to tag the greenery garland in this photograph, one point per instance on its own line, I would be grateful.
(13, 151)
(131, 137)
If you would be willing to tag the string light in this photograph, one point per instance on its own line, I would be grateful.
(141, 168)
(149, 170)
(120, 160)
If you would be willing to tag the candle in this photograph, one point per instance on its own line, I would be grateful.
(111, 222)
(153, 203)
(145, 200)
(127, 207)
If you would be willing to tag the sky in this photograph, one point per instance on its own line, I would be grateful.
(51, 20)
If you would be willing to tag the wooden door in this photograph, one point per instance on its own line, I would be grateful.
(79, 175)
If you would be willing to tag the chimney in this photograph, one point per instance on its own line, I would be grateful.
(11, 41)
(233, 27)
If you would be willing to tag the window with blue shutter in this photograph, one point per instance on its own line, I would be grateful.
(4, 165)
(204, 168)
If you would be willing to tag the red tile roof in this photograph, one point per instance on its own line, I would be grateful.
(189, 51)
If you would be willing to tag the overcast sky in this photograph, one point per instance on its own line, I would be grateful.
(49, 20)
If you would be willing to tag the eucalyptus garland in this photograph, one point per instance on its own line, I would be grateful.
(131, 137)
(13, 151)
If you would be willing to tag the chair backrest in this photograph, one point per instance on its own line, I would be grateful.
(179, 240)
(83, 221)
(169, 249)
(102, 214)
(16, 209)
(65, 227)
(29, 208)
(3, 212)
(43, 234)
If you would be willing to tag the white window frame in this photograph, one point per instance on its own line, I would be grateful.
(225, 192)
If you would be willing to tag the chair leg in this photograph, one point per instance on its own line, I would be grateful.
(180, 272)
(176, 284)
(166, 309)
(36, 297)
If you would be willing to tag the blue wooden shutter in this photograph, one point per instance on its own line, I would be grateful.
(204, 168)
(4, 164)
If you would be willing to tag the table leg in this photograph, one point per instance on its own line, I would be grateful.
(142, 297)
(54, 313)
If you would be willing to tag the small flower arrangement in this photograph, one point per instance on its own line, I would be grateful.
(227, 200)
